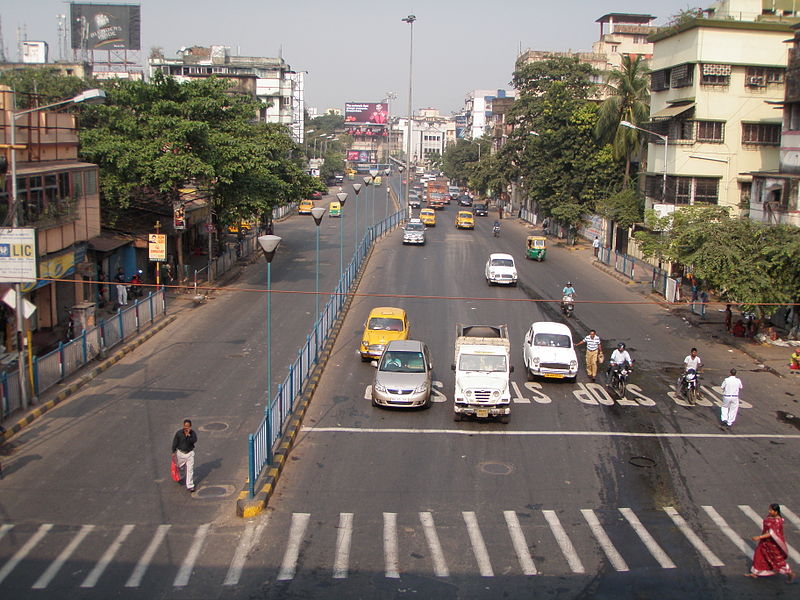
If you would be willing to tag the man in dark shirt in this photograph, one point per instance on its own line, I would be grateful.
(183, 451)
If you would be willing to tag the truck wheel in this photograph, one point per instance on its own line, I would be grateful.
(504, 419)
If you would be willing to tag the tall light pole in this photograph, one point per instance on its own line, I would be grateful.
(665, 139)
(342, 196)
(357, 189)
(410, 20)
(317, 212)
(367, 182)
(93, 96)
(269, 244)
(374, 173)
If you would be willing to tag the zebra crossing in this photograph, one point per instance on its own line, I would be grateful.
(457, 543)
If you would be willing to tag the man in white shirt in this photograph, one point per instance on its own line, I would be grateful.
(619, 357)
(692, 361)
(592, 342)
(731, 386)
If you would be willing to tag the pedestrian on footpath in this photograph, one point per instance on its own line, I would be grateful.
(594, 353)
(122, 289)
(731, 386)
(596, 245)
(183, 451)
(771, 551)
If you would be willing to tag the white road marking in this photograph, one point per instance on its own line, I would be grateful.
(296, 532)
(515, 433)
(758, 520)
(518, 397)
(341, 561)
(5, 528)
(368, 393)
(614, 557)
(567, 549)
(108, 556)
(478, 545)
(429, 529)
(144, 562)
(793, 518)
(693, 538)
(519, 542)
(729, 533)
(23, 552)
(252, 533)
(390, 545)
(185, 572)
(648, 540)
(55, 566)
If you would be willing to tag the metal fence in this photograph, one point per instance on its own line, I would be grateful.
(50, 369)
(281, 406)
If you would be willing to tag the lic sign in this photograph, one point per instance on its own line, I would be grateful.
(17, 255)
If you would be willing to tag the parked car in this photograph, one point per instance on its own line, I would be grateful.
(500, 268)
(480, 209)
(403, 375)
(548, 351)
(305, 207)
(428, 216)
(465, 220)
(316, 195)
(414, 232)
(383, 325)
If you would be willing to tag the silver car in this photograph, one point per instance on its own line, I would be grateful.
(414, 232)
(403, 377)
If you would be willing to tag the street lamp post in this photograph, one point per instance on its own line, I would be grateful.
(410, 20)
(269, 244)
(665, 139)
(317, 212)
(367, 182)
(374, 173)
(357, 189)
(342, 196)
(93, 96)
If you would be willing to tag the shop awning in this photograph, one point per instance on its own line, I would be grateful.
(671, 111)
(107, 242)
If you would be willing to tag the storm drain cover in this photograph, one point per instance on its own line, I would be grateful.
(214, 427)
(642, 461)
(214, 491)
(495, 468)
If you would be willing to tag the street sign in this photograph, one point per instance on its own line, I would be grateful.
(178, 215)
(17, 255)
(157, 246)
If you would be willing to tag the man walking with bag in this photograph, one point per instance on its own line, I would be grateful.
(594, 353)
(183, 451)
(731, 386)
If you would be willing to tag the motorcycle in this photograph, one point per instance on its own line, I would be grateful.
(689, 385)
(568, 305)
(496, 230)
(618, 378)
(135, 287)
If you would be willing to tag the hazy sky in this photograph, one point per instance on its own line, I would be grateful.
(358, 51)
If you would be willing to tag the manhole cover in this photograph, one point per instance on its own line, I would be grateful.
(642, 461)
(214, 491)
(213, 427)
(495, 468)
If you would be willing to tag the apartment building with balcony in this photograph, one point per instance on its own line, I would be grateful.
(478, 110)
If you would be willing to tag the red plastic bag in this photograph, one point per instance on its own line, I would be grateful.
(174, 470)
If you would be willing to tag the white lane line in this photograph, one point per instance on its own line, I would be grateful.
(344, 535)
(478, 545)
(390, 545)
(105, 560)
(518, 397)
(185, 572)
(144, 562)
(693, 538)
(567, 549)
(793, 518)
(429, 529)
(55, 566)
(512, 433)
(251, 534)
(647, 539)
(5, 528)
(520, 543)
(614, 557)
(758, 520)
(23, 551)
(729, 533)
(296, 532)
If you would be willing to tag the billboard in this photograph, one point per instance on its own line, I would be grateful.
(360, 156)
(366, 112)
(367, 130)
(105, 26)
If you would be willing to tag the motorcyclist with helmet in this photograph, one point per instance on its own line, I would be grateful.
(567, 295)
(619, 358)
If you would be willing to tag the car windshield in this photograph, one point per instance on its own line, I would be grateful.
(415, 227)
(502, 262)
(553, 340)
(480, 206)
(402, 362)
(385, 324)
(482, 362)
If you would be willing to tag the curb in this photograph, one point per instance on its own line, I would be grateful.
(83, 380)
(250, 507)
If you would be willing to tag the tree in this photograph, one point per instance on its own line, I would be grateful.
(461, 159)
(39, 86)
(625, 208)
(629, 100)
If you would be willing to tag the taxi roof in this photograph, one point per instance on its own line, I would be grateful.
(387, 311)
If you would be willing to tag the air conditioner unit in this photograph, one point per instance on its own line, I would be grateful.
(756, 81)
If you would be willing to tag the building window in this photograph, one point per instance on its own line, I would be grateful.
(745, 190)
(683, 190)
(91, 182)
(756, 77)
(761, 134)
(659, 80)
(715, 74)
(681, 76)
(681, 129)
(706, 190)
(793, 110)
(711, 131)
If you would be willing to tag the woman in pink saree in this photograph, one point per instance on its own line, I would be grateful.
(770, 555)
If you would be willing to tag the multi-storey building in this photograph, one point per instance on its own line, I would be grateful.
(624, 34)
(430, 132)
(270, 80)
(478, 110)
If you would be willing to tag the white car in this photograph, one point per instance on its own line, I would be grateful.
(548, 351)
(500, 268)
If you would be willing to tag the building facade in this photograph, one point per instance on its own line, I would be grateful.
(478, 111)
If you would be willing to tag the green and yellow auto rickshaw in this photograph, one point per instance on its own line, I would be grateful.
(536, 247)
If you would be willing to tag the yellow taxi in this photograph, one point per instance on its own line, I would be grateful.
(465, 220)
(383, 325)
(428, 216)
(305, 207)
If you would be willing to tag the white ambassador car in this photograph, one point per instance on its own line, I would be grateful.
(548, 351)
(500, 268)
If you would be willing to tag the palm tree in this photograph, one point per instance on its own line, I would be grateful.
(629, 100)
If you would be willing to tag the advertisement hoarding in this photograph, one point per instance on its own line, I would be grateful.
(367, 130)
(375, 113)
(105, 26)
(360, 156)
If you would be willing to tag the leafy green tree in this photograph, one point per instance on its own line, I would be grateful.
(460, 159)
(43, 85)
(625, 208)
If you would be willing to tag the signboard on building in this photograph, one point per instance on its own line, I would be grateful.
(178, 215)
(360, 156)
(105, 26)
(157, 246)
(367, 130)
(17, 255)
(366, 112)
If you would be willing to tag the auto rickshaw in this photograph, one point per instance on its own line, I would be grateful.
(334, 209)
(536, 247)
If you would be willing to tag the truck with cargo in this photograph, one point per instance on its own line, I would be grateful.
(436, 195)
(482, 368)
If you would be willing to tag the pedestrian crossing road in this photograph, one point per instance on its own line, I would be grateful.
(279, 547)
